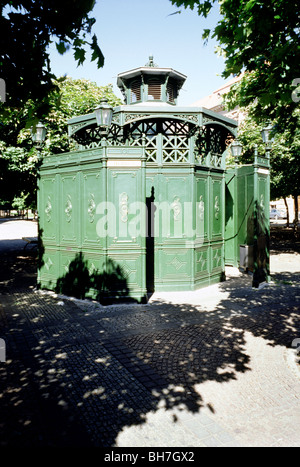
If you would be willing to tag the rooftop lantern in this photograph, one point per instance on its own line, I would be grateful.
(150, 84)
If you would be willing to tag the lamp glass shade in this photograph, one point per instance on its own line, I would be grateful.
(104, 113)
(236, 148)
(39, 135)
(265, 133)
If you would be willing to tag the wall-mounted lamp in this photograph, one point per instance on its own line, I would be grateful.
(236, 149)
(38, 134)
(104, 114)
(265, 133)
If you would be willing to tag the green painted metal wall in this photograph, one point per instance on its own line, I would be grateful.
(84, 224)
(187, 251)
(247, 193)
(93, 211)
(239, 206)
(112, 226)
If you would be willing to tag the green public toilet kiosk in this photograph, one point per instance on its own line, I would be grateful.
(139, 206)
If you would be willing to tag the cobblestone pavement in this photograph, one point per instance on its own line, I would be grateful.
(214, 367)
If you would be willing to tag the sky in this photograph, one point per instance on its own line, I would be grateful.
(129, 31)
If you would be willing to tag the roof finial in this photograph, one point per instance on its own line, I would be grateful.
(151, 63)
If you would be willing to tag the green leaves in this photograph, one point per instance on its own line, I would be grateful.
(62, 47)
(284, 158)
(205, 35)
(26, 31)
(97, 53)
(19, 159)
(249, 5)
(79, 55)
(263, 39)
(203, 8)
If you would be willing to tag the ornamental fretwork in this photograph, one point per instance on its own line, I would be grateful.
(210, 143)
(170, 138)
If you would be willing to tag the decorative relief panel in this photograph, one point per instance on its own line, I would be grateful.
(217, 207)
(116, 118)
(176, 206)
(177, 264)
(91, 208)
(202, 261)
(190, 117)
(68, 209)
(76, 126)
(66, 265)
(124, 207)
(206, 120)
(48, 264)
(48, 209)
(129, 117)
(216, 258)
(128, 268)
(173, 264)
(201, 208)
(92, 269)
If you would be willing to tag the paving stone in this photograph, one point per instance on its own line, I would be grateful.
(212, 442)
(209, 369)
(197, 429)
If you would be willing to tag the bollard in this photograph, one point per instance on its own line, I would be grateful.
(2, 351)
(2, 90)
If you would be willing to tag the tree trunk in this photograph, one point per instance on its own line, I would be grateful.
(287, 212)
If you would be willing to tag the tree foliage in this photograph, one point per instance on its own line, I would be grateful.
(260, 38)
(19, 158)
(27, 28)
(17, 174)
(284, 155)
(76, 97)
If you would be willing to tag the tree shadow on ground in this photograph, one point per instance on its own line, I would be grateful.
(283, 240)
(18, 270)
(78, 378)
(105, 286)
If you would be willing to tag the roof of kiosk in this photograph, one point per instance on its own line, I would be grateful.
(150, 69)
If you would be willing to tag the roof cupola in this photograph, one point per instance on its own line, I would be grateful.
(151, 84)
